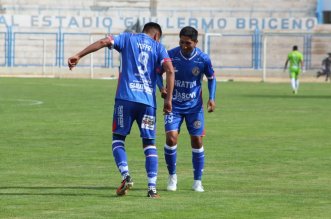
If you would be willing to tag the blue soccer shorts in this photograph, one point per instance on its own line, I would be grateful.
(195, 123)
(126, 112)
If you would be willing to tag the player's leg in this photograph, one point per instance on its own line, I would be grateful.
(122, 122)
(327, 75)
(293, 81)
(195, 126)
(170, 151)
(151, 166)
(120, 157)
(318, 74)
(296, 76)
(172, 126)
(146, 121)
(198, 161)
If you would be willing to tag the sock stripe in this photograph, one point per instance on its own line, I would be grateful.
(149, 147)
(194, 150)
(170, 153)
(170, 148)
(116, 147)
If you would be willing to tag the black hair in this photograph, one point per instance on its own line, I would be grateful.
(190, 32)
(295, 47)
(152, 25)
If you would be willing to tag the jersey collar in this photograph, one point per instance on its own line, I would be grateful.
(192, 55)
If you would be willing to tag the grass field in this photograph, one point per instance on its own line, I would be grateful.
(268, 154)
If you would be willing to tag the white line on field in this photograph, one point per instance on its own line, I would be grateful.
(30, 102)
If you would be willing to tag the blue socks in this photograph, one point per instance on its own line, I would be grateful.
(198, 161)
(151, 164)
(120, 155)
(170, 155)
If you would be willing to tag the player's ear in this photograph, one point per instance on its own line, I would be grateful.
(156, 36)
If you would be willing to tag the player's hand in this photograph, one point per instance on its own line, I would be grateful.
(163, 92)
(211, 106)
(72, 61)
(167, 107)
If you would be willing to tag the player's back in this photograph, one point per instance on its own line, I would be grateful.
(140, 54)
(295, 58)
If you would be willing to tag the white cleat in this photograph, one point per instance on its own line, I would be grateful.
(197, 186)
(172, 183)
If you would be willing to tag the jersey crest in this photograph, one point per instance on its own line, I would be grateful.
(196, 71)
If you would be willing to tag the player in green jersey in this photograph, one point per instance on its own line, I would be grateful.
(296, 66)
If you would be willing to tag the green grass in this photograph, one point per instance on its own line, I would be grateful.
(268, 154)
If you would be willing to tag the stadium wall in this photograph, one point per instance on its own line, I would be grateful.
(243, 38)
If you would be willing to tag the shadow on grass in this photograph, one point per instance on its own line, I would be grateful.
(74, 191)
(59, 187)
(287, 96)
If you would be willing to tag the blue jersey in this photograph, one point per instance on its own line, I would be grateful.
(140, 56)
(189, 72)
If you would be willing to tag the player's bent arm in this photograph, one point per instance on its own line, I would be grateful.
(170, 80)
(159, 83)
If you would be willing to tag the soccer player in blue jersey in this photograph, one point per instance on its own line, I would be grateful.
(191, 65)
(135, 98)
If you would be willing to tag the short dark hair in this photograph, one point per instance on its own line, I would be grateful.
(190, 32)
(295, 47)
(152, 25)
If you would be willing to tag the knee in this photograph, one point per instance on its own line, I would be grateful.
(196, 142)
(171, 140)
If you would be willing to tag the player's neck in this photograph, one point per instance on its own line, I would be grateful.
(189, 55)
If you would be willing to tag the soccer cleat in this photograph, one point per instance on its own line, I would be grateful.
(197, 186)
(152, 193)
(126, 184)
(172, 183)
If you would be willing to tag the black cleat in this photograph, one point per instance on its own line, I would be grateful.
(152, 193)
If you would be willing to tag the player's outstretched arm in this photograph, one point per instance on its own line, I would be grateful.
(105, 42)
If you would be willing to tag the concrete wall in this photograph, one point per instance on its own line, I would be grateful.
(255, 8)
(231, 52)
